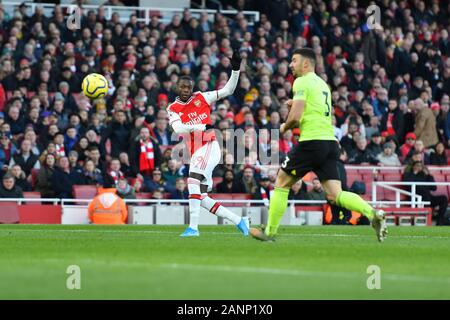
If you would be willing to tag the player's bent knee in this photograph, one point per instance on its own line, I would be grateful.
(331, 198)
(197, 176)
(284, 180)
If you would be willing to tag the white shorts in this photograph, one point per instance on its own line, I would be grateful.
(204, 160)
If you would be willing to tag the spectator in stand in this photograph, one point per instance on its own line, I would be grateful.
(172, 173)
(118, 133)
(393, 121)
(7, 150)
(124, 190)
(114, 174)
(180, 191)
(62, 180)
(247, 183)
(228, 184)
(45, 176)
(8, 189)
(361, 155)
(417, 172)
(263, 193)
(125, 166)
(70, 139)
(438, 157)
(419, 148)
(145, 154)
(73, 160)
(375, 145)
(425, 124)
(20, 178)
(92, 175)
(25, 158)
(156, 181)
(408, 145)
(162, 132)
(388, 157)
(298, 191)
(94, 155)
(317, 193)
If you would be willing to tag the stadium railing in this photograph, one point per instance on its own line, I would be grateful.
(416, 200)
(74, 211)
(144, 14)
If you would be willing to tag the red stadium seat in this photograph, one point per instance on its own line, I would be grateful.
(84, 191)
(240, 196)
(9, 213)
(216, 181)
(390, 176)
(32, 195)
(144, 195)
(221, 196)
(352, 178)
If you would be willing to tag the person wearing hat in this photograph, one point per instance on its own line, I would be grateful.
(410, 139)
(357, 82)
(375, 145)
(163, 100)
(71, 78)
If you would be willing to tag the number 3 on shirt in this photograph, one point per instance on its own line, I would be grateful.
(284, 164)
(327, 113)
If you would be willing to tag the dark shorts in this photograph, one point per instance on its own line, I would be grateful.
(319, 156)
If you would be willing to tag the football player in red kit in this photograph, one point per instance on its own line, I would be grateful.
(190, 114)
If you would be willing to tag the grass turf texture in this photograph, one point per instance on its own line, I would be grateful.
(153, 262)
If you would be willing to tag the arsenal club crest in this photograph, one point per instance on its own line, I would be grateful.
(197, 103)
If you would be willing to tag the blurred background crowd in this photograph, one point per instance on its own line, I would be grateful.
(390, 87)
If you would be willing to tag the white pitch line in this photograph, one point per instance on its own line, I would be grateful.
(302, 273)
(342, 235)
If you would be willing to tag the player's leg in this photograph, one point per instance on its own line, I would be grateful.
(212, 205)
(193, 182)
(279, 201)
(329, 178)
(298, 162)
(345, 199)
(354, 202)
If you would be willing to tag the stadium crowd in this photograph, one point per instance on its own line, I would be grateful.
(390, 87)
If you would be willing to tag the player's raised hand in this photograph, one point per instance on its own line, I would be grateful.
(236, 60)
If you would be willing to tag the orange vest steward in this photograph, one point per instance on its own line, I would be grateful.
(107, 208)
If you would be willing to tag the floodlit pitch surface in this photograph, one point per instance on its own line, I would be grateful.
(153, 262)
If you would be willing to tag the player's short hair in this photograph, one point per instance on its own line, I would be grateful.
(185, 78)
(307, 53)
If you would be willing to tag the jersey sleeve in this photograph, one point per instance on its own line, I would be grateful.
(210, 96)
(300, 89)
(173, 116)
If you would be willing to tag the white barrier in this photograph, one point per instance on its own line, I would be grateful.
(141, 215)
(75, 215)
(416, 200)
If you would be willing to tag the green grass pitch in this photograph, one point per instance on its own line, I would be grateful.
(153, 262)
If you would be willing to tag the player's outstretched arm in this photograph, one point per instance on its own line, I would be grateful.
(230, 86)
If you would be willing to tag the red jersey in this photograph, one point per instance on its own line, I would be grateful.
(196, 110)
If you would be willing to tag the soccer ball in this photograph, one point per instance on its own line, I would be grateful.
(94, 86)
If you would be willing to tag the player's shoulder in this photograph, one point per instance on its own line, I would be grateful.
(173, 107)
